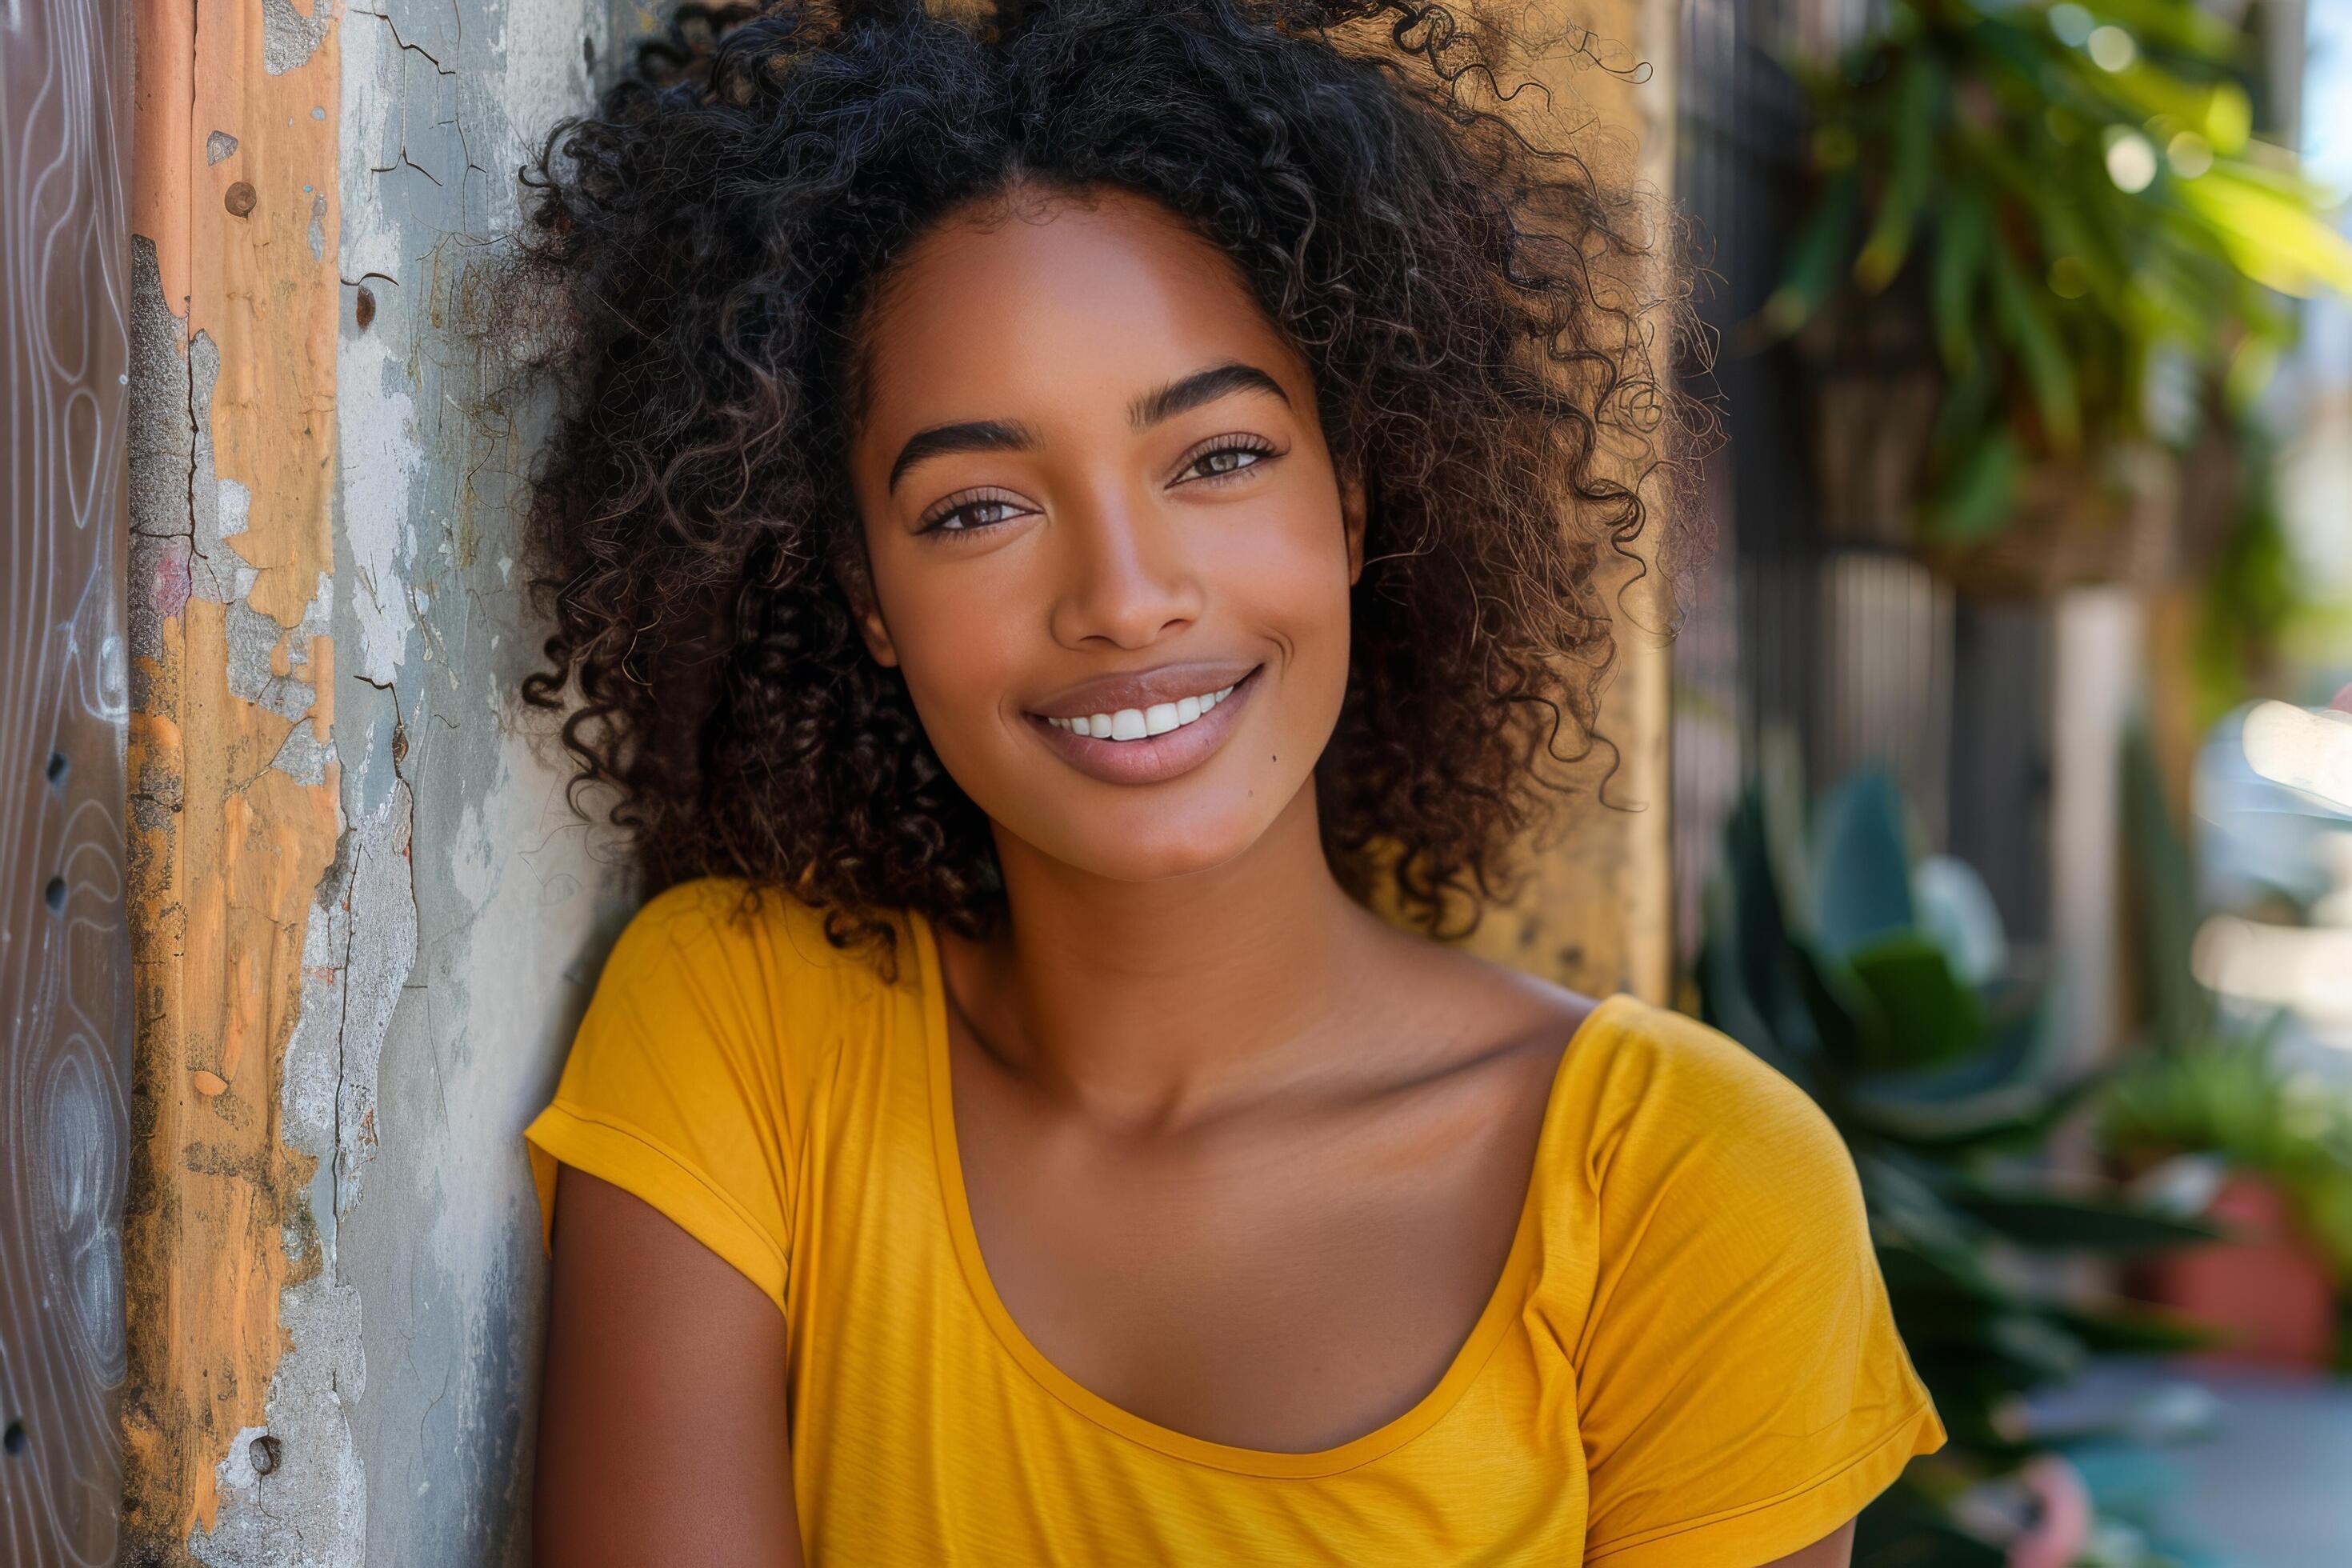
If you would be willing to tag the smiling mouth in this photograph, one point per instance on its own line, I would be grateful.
(1151, 742)
(1145, 724)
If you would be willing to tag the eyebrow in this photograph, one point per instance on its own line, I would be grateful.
(972, 436)
(1200, 387)
(1194, 391)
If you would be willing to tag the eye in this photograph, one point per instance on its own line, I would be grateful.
(969, 512)
(1224, 457)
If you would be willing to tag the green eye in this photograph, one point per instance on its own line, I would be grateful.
(1219, 462)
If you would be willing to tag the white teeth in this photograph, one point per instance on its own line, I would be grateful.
(1135, 723)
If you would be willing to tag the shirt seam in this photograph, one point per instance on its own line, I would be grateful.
(656, 1146)
(1859, 1458)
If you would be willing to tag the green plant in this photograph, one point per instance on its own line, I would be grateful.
(1829, 954)
(2230, 1095)
(2069, 200)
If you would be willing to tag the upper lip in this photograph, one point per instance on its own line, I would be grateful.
(1144, 687)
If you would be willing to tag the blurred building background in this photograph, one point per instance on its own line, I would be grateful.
(2050, 704)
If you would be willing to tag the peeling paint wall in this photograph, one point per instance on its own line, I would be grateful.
(365, 919)
(509, 901)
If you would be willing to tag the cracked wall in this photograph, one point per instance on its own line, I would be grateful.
(366, 920)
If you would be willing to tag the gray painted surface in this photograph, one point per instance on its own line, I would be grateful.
(468, 908)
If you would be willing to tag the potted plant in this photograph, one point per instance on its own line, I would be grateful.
(2274, 1154)
(2041, 262)
(1877, 982)
(2212, 1105)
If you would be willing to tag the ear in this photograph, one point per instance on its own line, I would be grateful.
(1352, 513)
(857, 583)
(877, 638)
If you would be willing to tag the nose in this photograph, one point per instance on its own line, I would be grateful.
(1127, 578)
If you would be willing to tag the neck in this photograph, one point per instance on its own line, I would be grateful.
(1151, 1004)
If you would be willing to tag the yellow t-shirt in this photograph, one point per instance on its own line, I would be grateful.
(1687, 1362)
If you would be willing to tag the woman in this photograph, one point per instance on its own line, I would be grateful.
(1055, 516)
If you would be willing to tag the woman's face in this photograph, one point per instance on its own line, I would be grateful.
(1095, 496)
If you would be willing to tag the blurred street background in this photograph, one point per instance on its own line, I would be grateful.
(2008, 815)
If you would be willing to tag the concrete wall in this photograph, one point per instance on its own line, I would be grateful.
(479, 905)
(368, 920)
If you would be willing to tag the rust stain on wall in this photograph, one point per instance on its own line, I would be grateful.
(234, 781)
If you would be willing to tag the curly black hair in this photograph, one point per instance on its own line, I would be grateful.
(1477, 310)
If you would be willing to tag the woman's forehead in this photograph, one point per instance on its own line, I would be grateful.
(1059, 301)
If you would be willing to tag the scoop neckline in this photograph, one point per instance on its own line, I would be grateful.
(1494, 1320)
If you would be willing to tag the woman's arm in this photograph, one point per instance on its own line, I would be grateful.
(1832, 1550)
(661, 1427)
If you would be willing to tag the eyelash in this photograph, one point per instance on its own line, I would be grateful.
(959, 503)
(1256, 446)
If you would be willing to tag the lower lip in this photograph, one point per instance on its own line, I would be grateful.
(1158, 757)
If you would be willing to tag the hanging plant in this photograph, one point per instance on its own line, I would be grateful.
(2046, 232)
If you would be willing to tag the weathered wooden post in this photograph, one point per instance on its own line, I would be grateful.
(65, 1012)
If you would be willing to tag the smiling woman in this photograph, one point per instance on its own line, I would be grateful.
(1146, 515)
(1052, 517)
(1476, 349)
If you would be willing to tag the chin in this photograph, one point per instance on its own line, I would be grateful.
(1157, 854)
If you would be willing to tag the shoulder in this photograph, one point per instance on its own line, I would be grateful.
(714, 921)
(718, 915)
(1675, 1116)
(1742, 1387)
(695, 1079)
(1649, 1075)
(747, 960)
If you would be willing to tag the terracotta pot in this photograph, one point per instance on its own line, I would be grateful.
(2270, 1288)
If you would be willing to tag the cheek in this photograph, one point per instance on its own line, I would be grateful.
(961, 646)
(1291, 583)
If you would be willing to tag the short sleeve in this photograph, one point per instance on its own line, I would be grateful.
(675, 1090)
(1742, 1390)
